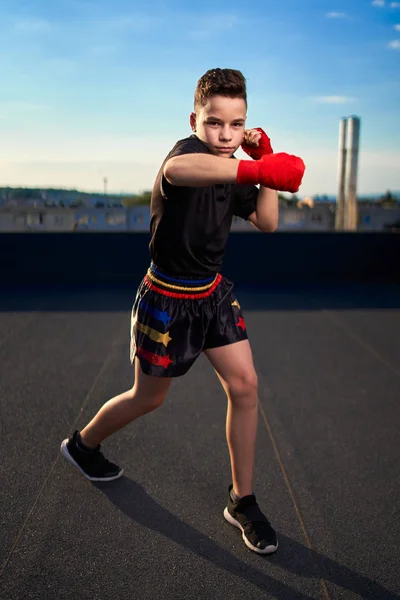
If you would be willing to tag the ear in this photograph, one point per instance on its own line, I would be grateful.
(193, 121)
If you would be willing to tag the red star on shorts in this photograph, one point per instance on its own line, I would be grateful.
(155, 359)
(241, 324)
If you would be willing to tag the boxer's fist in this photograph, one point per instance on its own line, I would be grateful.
(283, 172)
(256, 143)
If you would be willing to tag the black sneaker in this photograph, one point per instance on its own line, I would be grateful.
(91, 463)
(257, 533)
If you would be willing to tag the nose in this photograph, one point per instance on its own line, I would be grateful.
(225, 133)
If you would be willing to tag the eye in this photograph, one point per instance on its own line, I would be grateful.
(213, 123)
(238, 124)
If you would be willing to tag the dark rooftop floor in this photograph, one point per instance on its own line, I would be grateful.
(327, 469)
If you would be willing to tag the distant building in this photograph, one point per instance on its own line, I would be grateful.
(307, 215)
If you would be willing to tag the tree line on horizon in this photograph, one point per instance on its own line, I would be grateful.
(76, 198)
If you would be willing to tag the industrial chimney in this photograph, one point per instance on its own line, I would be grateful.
(346, 203)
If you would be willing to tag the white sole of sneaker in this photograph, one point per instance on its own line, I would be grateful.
(232, 521)
(66, 454)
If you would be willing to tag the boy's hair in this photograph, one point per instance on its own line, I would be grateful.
(220, 82)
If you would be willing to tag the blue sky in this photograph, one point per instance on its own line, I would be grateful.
(99, 88)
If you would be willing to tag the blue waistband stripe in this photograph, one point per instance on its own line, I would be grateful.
(181, 280)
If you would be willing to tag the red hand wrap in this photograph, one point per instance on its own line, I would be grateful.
(248, 172)
(280, 171)
(264, 146)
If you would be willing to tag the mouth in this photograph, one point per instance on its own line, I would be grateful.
(225, 149)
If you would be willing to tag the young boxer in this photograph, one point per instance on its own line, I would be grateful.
(184, 306)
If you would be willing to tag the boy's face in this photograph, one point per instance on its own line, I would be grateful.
(220, 124)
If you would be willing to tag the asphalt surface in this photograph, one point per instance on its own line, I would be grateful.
(327, 468)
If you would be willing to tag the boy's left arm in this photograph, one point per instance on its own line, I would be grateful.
(266, 215)
(256, 143)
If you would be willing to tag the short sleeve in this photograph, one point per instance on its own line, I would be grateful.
(190, 145)
(244, 200)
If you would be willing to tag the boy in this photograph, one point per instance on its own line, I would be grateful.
(184, 306)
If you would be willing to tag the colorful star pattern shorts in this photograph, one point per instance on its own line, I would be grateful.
(175, 318)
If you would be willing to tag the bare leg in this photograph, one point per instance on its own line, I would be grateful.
(146, 395)
(235, 369)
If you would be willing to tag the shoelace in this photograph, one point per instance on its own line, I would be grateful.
(99, 460)
(250, 509)
(260, 533)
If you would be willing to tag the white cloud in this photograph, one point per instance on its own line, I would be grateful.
(395, 45)
(378, 3)
(336, 15)
(397, 27)
(334, 99)
(395, 5)
(32, 26)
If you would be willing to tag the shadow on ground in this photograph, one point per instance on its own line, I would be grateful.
(132, 499)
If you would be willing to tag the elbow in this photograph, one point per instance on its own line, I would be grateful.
(269, 227)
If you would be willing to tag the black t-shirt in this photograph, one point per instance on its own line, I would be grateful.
(190, 225)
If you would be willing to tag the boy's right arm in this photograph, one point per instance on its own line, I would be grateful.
(280, 171)
(196, 170)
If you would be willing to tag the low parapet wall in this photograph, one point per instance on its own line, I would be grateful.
(250, 257)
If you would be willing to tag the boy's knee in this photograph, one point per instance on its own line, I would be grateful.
(148, 402)
(244, 387)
